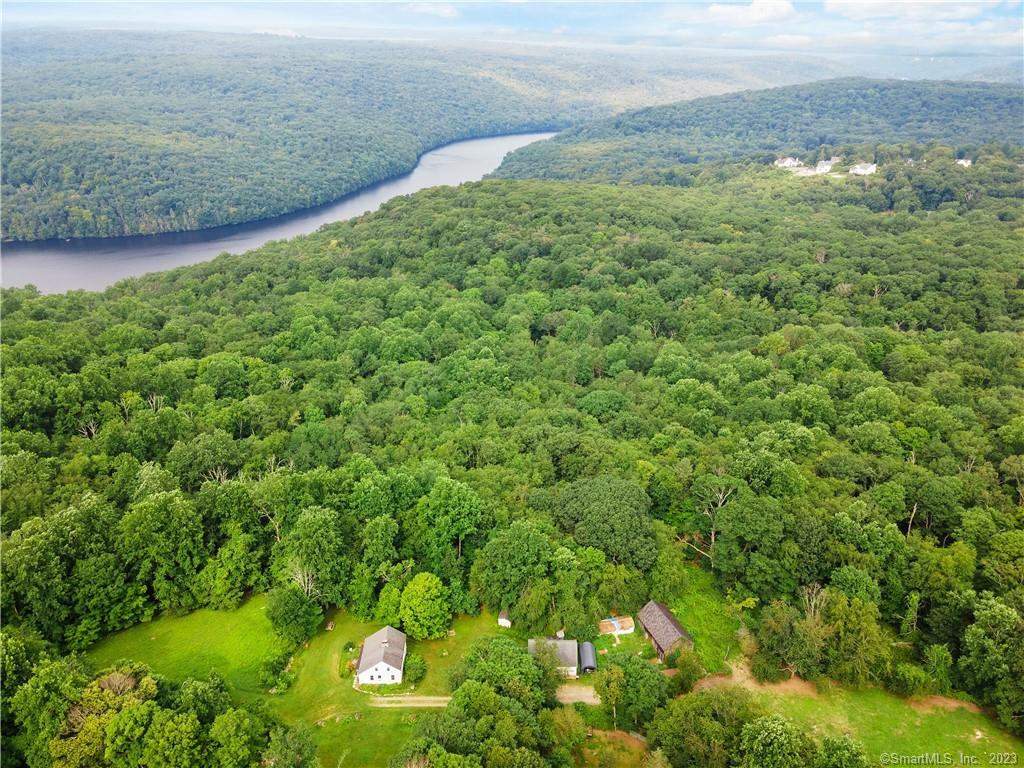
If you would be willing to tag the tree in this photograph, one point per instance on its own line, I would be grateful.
(689, 669)
(174, 741)
(992, 662)
(610, 685)
(294, 616)
(415, 668)
(238, 737)
(236, 569)
(773, 742)
(856, 651)
(710, 492)
(424, 609)
(644, 688)
(610, 514)
(840, 752)
(702, 730)
(160, 539)
(41, 704)
(314, 555)
(505, 667)
(451, 512)
(512, 559)
(389, 606)
(290, 748)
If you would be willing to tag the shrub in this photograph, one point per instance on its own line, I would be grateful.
(910, 680)
(415, 668)
(688, 671)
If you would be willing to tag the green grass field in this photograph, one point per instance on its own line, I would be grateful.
(885, 723)
(232, 643)
(704, 612)
(349, 732)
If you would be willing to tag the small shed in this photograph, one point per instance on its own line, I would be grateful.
(504, 620)
(588, 657)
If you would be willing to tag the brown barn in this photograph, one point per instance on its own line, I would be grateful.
(663, 629)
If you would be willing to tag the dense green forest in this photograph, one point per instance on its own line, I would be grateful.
(115, 133)
(813, 120)
(554, 399)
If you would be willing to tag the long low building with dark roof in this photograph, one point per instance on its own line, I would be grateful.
(663, 629)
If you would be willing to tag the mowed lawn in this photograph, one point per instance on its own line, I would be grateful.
(232, 643)
(348, 731)
(885, 723)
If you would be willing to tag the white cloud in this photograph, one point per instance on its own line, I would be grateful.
(789, 41)
(444, 10)
(935, 10)
(757, 12)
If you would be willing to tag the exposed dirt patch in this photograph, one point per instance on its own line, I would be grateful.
(571, 693)
(926, 703)
(409, 701)
(742, 676)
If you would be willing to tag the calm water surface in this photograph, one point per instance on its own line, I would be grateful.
(55, 266)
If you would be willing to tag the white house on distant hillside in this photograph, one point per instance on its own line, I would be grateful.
(382, 659)
(863, 169)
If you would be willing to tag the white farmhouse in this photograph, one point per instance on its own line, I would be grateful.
(788, 162)
(966, 162)
(382, 659)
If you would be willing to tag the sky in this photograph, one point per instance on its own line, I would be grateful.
(990, 28)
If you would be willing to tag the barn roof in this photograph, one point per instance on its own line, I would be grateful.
(387, 645)
(662, 625)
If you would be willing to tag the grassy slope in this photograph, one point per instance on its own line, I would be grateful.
(886, 723)
(703, 611)
(232, 643)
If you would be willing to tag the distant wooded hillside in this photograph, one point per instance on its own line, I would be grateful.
(114, 133)
(646, 145)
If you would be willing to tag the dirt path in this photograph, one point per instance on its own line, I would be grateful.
(409, 701)
(571, 693)
(742, 676)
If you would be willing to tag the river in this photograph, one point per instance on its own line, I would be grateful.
(56, 266)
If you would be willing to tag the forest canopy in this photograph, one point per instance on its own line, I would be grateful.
(546, 398)
(811, 120)
(120, 133)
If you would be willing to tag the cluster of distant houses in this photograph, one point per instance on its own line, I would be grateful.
(382, 658)
(796, 166)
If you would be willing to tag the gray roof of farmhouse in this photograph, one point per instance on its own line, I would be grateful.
(387, 645)
(662, 625)
(567, 650)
